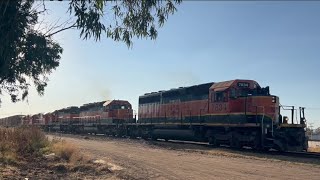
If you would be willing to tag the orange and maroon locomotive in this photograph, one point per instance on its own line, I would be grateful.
(237, 113)
(98, 117)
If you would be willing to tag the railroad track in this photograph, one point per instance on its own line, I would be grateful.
(301, 154)
(291, 154)
(311, 155)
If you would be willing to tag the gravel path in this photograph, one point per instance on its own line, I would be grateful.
(139, 159)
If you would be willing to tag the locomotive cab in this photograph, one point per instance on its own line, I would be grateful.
(106, 112)
(245, 99)
(118, 109)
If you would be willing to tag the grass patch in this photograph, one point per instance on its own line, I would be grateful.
(67, 151)
(28, 153)
(17, 143)
(27, 142)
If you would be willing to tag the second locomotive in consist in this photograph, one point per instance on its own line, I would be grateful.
(99, 117)
(237, 113)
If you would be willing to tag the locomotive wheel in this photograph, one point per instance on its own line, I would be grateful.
(144, 137)
(266, 149)
(153, 138)
(234, 141)
(213, 142)
(257, 143)
(235, 144)
(132, 136)
(281, 145)
(257, 146)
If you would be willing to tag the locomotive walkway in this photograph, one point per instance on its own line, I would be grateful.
(139, 159)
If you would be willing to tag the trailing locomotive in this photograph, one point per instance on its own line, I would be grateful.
(236, 113)
(11, 121)
(99, 117)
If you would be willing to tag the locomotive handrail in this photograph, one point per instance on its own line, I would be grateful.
(262, 132)
(292, 108)
(262, 123)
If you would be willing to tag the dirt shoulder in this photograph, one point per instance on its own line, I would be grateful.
(139, 159)
(42, 168)
(26, 153)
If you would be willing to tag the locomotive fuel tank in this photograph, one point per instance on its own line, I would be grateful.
(174, 134)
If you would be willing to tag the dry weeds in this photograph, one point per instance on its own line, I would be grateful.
(18, 143)
(63, 150)
(27, 153)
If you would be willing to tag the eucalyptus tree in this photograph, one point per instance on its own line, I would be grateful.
(28, 55)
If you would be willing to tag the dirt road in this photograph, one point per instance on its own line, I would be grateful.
(139, 159)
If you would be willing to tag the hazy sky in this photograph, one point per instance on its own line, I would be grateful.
(275, 43)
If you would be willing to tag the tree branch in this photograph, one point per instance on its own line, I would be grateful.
(63, 29)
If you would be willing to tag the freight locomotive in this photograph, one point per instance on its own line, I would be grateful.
(237, 113)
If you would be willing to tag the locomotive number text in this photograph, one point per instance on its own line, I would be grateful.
(220, 107)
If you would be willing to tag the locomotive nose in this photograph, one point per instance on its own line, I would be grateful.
(265, 106)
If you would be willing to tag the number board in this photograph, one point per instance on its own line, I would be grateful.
(243, 84)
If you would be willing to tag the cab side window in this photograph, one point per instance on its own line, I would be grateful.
(220, 97)
(233, 93)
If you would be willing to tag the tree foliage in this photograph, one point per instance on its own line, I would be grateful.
(28, 55)
(25, 54)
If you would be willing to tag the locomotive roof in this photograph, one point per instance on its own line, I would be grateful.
(67, 109)
(13, 116)
(221, 86)
(91, 105)
(188, 89)
(200, 87)
(108, 102)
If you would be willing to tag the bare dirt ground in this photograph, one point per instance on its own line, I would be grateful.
(41, 168)
(140, 159)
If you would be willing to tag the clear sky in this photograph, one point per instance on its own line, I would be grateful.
(275, 43)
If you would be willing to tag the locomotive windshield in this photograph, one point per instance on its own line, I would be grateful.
(261, 91)
(117, 107)
(258, 91)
